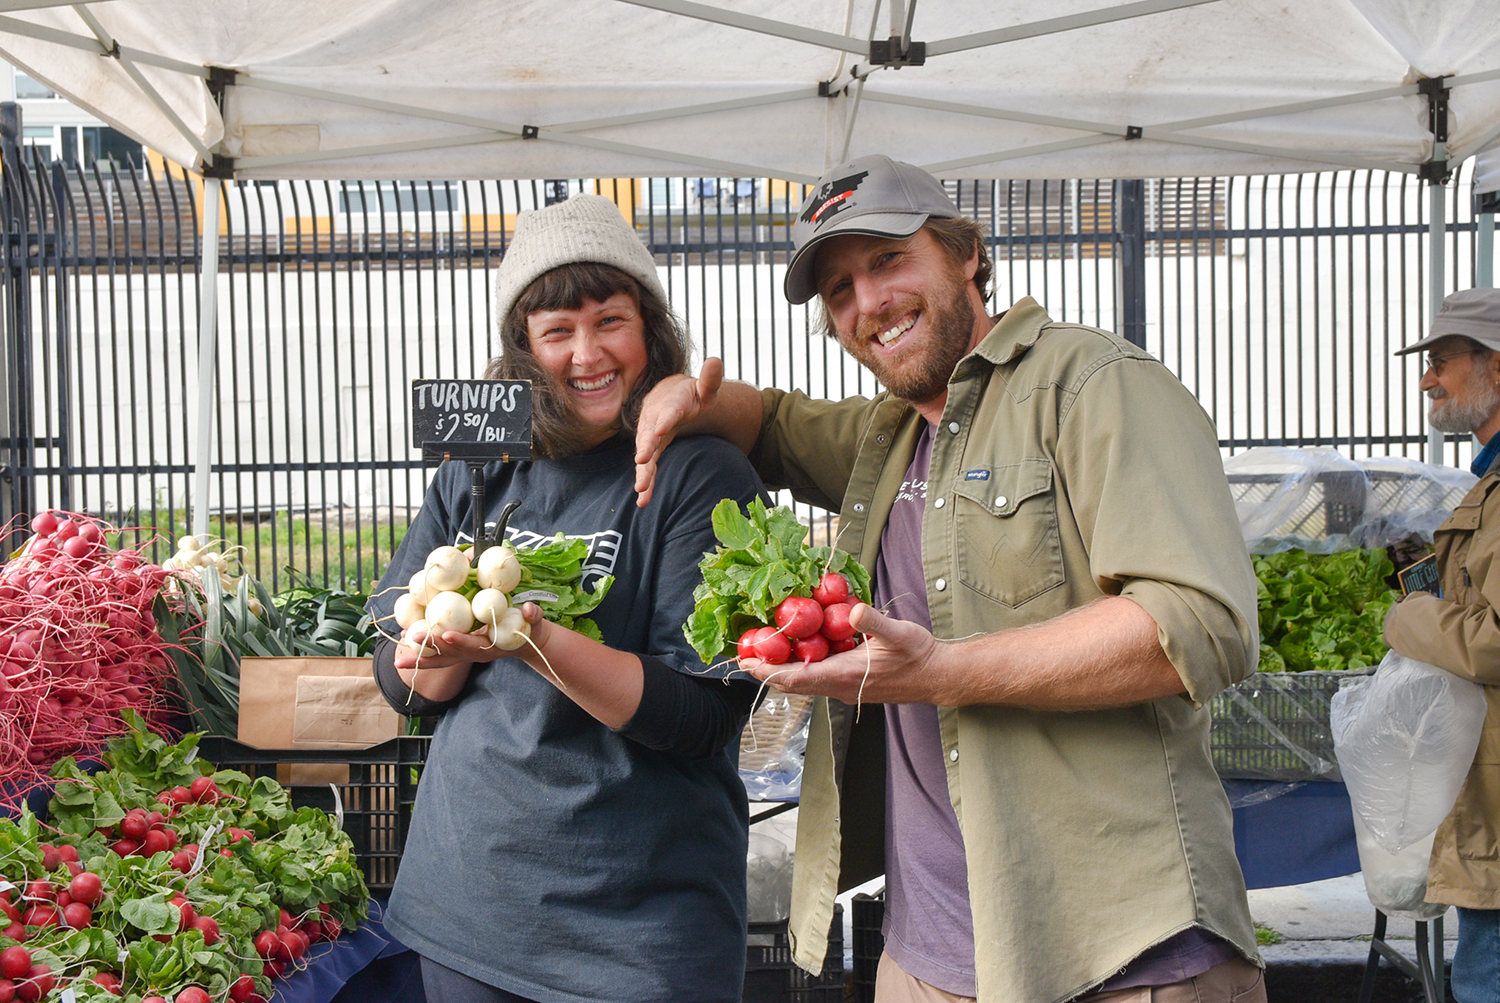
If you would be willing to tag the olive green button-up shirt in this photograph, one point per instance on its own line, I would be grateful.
(1068, 465)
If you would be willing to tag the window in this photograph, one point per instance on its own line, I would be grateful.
(396, 196)
(102, 145)
(27, 88)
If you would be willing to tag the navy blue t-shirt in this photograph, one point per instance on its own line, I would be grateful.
(549, 855)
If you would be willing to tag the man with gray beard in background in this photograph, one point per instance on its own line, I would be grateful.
(1458, 631)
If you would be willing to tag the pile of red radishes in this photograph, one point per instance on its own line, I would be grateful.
(78, 643)
(807, 629)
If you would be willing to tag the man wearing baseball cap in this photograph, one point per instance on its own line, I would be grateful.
(1458, 631)
(1061, 586)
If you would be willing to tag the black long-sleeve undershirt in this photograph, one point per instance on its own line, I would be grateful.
(679, 714)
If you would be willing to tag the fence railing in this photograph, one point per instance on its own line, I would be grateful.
(1277, 300)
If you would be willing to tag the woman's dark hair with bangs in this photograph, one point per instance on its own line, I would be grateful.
(555, 430)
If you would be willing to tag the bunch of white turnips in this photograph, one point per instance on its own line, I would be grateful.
(197, 554)
(452, 594)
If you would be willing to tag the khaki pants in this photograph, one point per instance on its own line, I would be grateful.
(1237, 981)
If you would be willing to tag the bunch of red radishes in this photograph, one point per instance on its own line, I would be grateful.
(78, 643)
(284, 946)
(807, 629)
(43, 905)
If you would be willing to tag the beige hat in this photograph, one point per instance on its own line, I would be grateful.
(1473, 313)
(584, 228)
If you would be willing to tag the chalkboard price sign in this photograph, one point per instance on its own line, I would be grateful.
(471, 419)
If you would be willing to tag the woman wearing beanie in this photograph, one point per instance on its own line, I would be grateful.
(585, 843)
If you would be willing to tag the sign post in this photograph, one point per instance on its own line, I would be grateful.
(478, 422)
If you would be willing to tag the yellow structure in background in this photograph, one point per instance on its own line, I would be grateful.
(629, 194)
(163, 168)
(625, 192)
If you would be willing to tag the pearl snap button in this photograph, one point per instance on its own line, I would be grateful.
(953, 427)
(940, 584)
(938, 504)
(1000, 502)
(953, 756)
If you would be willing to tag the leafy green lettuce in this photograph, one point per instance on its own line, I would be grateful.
(1323, 611)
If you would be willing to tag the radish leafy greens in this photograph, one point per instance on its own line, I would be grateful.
(763, 559)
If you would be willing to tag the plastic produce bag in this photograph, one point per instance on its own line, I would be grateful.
(1405, 739)
(771, 747)
(1396, 883)
(768, 877)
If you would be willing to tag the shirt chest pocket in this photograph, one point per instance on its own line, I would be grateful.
(1008, 544)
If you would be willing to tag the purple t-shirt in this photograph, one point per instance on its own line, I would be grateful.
(929, 926)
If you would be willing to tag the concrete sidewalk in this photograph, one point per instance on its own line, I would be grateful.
(1325, 928)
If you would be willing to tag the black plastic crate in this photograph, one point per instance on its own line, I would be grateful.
(866, 917)
(376, 799)
(772, 977)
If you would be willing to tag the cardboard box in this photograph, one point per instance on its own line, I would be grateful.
(313, 703)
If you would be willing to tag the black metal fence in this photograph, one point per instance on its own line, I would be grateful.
(1278, 301)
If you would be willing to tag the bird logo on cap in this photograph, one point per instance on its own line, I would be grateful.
(832, 198)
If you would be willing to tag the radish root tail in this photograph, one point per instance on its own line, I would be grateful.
(860, 696)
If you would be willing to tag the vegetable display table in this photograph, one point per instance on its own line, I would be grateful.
(1292, 833)
(362, 965)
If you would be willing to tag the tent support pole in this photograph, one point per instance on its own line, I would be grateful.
(1437, 226)
(1484, 250)
(208, 324)
(1436, 173)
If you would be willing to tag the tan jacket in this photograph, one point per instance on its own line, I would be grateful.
(1461, 633)
(1068, 465)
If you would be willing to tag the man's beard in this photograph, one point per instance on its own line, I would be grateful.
(948, 317)
(1481, 397)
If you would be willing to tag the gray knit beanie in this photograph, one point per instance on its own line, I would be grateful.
(584, 228)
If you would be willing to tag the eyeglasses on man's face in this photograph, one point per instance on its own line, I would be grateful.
(1436, 362)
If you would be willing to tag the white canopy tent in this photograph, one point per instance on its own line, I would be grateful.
(445, 89)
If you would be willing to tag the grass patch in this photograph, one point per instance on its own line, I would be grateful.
(1265, 936)
(331, 549)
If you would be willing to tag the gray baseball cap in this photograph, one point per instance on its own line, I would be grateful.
(874, 195)
(1473, 313)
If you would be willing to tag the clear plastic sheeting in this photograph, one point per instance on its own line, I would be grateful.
(1318, 500)
(1308, 499)
(1275, 726)
(771, 747)
(1405, 738)
(1409, 498)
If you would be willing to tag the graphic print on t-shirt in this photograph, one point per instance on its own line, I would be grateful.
(604, 548)
(912, 491)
